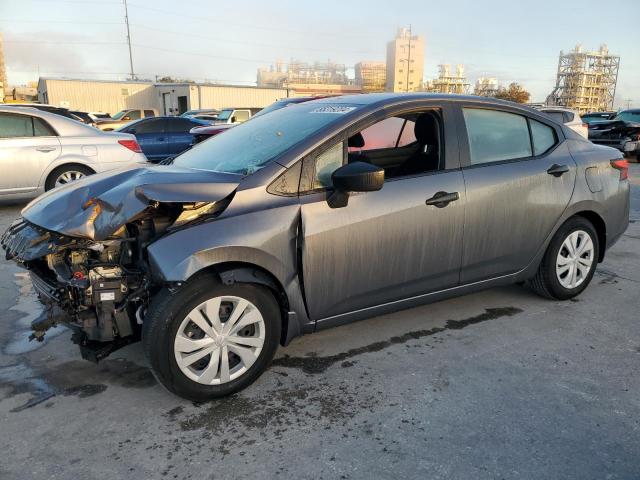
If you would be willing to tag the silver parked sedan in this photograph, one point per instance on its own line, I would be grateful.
(41, 150)
(313, 216)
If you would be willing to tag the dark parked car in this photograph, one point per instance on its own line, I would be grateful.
(65, 112)
(621, 132)
(315, 216)
(597, 116)
(162, 137)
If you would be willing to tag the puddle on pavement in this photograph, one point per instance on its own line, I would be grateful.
(313, 364)
(28, 305)
(76, 378)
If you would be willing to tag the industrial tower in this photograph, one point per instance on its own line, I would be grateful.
(586, 81)
(4, 86)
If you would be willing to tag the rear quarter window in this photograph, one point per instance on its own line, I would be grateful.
(543, 136)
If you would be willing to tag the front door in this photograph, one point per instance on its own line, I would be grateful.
(519, 178)
(383, 246)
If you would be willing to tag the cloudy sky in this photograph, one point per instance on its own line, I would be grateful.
(227, 41)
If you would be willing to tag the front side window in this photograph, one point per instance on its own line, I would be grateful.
(327, 163)
(151, 126)
(543, 136)
(15, 126)
(133, 115)
(383, 134)
(495, 135)
(179, 125)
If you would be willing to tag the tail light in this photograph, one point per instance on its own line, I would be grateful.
(585, 125)
(131, 145)
(622, 166)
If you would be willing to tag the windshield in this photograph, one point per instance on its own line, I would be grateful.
(628, 116)
(225, 114)
(119, 115)
(250, 146)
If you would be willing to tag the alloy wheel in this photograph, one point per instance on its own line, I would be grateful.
(68, 176)
(219, 340)
(575, 259)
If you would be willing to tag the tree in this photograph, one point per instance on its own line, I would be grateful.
(514, 93)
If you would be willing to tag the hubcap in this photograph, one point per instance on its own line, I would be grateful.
(68, 176)
(219, 340)
(575, 259)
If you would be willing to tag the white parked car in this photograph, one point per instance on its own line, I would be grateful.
(41, 150)
(571, 118)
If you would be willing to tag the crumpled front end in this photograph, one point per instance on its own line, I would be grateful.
(94, 288)
(624, 136)
(85, 247)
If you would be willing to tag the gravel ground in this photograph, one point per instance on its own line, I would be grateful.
(498, 384)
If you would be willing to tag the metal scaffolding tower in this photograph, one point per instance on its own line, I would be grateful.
(448, 82)
(486, 87)
(586, 81)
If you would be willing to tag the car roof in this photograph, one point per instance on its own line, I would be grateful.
(558, 109)
(66, 127)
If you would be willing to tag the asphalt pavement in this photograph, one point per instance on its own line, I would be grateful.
(497, 384)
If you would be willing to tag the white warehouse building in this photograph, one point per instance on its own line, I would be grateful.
(167, 98)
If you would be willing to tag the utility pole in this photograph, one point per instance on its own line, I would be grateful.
(628, 103)
(409, 59)
(126, 21)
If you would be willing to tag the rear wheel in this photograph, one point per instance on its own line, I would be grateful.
(209, 340)
(66, 174)
(569, 262)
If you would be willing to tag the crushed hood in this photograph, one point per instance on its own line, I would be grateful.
(97, 206)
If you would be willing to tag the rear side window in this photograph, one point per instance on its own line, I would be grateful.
(149, 113)
(15, 126)
(241, 115)
(557, 116)
(495, 135)
(151, 126)
(179, 125)
(42, 128)
(543, 136)
(20, 126)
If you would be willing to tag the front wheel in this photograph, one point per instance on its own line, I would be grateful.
(569, 262)
(209, 340)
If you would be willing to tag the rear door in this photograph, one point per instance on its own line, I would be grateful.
(152, 137)
(27, 146)
(179, 137)
(519, 178)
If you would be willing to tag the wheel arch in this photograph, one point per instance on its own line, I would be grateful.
(245, 272)
(65, 163)
(600, 226)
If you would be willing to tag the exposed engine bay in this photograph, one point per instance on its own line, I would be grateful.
(100, 287)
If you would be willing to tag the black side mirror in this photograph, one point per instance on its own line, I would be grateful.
(354, 177)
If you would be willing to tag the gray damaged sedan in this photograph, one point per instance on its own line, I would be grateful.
(312, 216)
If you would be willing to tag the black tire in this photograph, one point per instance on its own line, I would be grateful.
(168, 310)
(546, 282)
(53, 176)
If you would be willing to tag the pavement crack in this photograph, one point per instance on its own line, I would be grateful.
(315, 364)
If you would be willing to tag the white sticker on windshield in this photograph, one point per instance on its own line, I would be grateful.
(339, 109)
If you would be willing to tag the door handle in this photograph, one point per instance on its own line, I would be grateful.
(557, 170)
(442, 199)
(45, 149)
